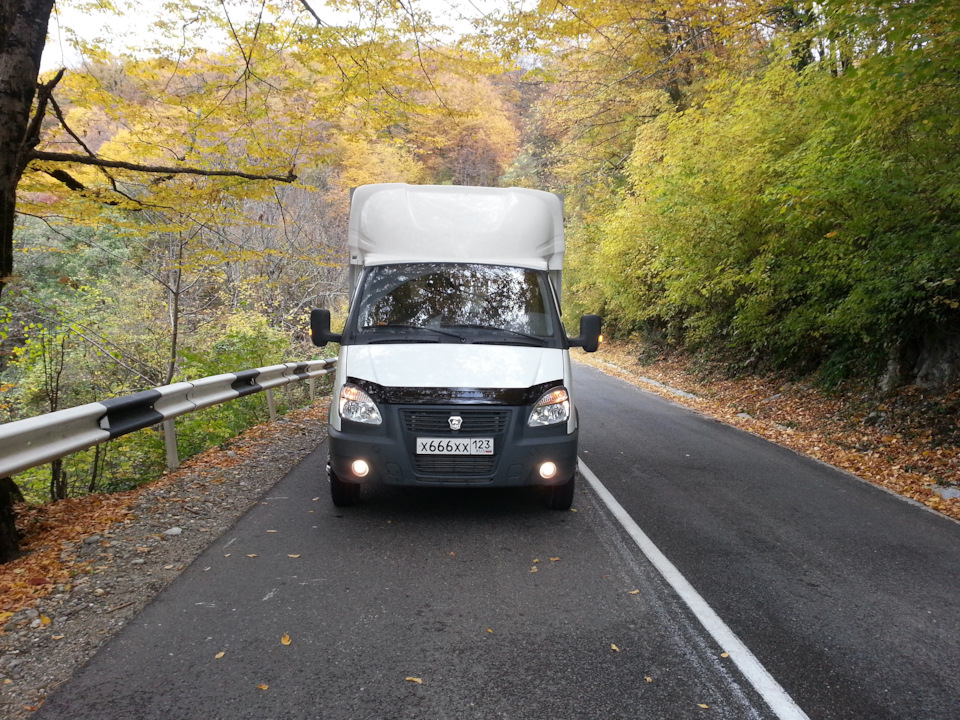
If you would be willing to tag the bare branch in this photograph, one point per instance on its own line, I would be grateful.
(45, 156)
(70, 132)
(67, 179)
(310, 10)
(31, 137)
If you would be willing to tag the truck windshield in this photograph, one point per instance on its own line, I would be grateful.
(446, 302)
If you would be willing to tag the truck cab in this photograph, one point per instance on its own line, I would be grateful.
(454, 366)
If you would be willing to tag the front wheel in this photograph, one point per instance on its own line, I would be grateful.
(560, 497)
(342, 493)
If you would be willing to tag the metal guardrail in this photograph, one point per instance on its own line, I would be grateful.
(38, 440)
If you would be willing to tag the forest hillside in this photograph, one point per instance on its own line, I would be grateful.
(762, 187)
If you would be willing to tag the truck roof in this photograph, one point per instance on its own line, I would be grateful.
(395, 222)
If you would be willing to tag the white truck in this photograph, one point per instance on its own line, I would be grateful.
(454, 367)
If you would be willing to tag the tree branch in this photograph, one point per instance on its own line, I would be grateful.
(63, 122)
(31, 137)
(45, 156)
(67, 179)
(310, 10)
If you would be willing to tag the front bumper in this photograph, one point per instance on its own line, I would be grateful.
(390, 448)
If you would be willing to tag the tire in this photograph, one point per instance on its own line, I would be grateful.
(342, 493)
(560, 497)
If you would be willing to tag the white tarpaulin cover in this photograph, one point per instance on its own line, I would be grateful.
(392, 223)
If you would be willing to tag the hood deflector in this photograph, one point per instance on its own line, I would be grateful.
(453, 396)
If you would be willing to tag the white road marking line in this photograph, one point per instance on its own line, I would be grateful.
(762, 681)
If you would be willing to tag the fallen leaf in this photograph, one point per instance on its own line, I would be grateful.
(228, 555)
(634, 592)
(536, 560)
(533, 569)
(724, 655)
(418, 681)
(7, 681)
(271, 531)
(219, 655)
(44, 620)
(293, 556)
(285, 640)
(614, 648)
(252, 555)
(705, 707)
(315, 499)
(168, 567)
(489, 630)
(554, 559)
(649, 679)
(59, 637)
(262, 686)
(573, 509)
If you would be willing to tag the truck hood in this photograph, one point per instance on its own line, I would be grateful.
(452, 366)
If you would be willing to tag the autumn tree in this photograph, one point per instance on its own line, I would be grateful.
(187, 127)
(773, 183)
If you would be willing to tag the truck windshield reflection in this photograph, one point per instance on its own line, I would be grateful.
(456, 302)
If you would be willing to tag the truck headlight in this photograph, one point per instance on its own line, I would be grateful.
(552, 408)
(357, 406)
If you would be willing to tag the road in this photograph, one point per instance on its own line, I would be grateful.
(453, 604)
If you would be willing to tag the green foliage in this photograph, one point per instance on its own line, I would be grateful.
(87, 337)
(805, 218)
(244, 341)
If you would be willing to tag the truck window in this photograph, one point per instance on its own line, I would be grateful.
(460, 297)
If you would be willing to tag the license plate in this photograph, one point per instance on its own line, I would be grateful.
(454, 446)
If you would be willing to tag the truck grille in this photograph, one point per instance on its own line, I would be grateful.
(436, 422)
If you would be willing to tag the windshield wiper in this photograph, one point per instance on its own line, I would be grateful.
(397, 326)
(516, 333)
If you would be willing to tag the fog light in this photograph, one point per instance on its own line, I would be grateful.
(360, 468)
(548, 470)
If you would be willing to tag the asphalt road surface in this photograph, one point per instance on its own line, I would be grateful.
(459, 604)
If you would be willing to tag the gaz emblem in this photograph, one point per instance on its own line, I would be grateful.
(455, 422)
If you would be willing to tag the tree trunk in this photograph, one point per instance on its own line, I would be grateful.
(9, 540)
(23, 33)
(58, 481)
(22, 37)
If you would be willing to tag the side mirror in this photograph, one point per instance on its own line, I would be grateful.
(589, 338)
(320, 328)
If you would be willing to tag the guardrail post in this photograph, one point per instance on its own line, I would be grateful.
(170, 440)
(271, 404)
(312, 382)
